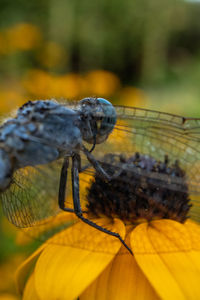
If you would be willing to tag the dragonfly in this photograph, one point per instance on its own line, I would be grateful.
(153, 150)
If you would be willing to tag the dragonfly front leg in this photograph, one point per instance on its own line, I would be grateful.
(77, 206)
(101, 172)
(96, 164)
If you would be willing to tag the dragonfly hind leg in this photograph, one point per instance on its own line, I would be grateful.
(77, 206)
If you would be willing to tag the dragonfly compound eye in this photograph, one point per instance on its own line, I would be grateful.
(99, 118)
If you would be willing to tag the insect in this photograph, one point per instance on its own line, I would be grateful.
(158, 152)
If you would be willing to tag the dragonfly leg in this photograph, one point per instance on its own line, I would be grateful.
(82, 169)
(96, 164)
(77, 205)
(62, 186)
(102, 173)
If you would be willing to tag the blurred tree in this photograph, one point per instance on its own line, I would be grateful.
(161, 20)
(135, 39)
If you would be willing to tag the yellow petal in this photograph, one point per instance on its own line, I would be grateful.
(34, 232)
(122, 279)
(6, 296)
(41, 230)
(63, 272)
(29, 291)
(194, 232)
(25, 268)
(163, 251)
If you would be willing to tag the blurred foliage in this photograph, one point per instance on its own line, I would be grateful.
(70, 49)
(134, 52)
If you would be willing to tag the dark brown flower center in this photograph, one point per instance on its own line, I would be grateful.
(140, 188)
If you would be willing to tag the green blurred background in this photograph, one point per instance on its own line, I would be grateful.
(133, 52)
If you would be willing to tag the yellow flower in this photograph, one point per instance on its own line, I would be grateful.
(82, 262)
(7, 276)
(10, 99)
(93, 265)
(22, 36)
(6, 296)
(52, 54)
(101, 82)
(132, 96)
(42, 84)
(37, 83)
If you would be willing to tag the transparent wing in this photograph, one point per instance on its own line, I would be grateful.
(32, 195)
(156, 135)
(32, 198)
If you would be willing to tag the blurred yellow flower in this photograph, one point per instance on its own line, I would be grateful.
(92, 265)
(10, 100)
(52, 54)
(41, 84)
(45, 85)
(23, 36)
(6, 273)
(37, 83)
(68, 86)
(103, 83)
(132, 96)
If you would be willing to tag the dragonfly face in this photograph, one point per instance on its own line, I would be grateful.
(158, 158)
(98, 119)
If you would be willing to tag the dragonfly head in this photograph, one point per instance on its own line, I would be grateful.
(98, 119)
